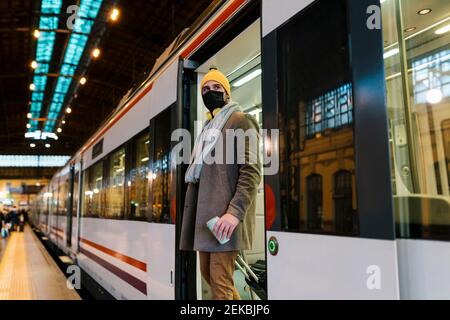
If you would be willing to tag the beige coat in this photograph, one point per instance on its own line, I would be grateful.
(223, 188)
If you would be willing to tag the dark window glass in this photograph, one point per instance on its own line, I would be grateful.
(316, 121)
(161, 169)
(138, 192)
(343, 202)
(315, 202)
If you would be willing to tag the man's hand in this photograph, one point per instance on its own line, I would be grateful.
(225, 226)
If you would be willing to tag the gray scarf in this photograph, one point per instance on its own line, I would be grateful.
(207, 139)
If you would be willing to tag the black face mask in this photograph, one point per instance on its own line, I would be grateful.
(213, 99)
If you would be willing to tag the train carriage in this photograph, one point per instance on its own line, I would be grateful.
(358, 204)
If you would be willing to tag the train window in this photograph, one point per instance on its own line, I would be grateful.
(63, 201)
(161, 168)
(93, 190)
(115, 190)
(54, 200)
(316, 122)
(417, 69)
(138, 181)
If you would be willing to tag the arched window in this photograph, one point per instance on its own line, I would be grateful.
(315, 202)
(342, 195)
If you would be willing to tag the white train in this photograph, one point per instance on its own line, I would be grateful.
(359, 208)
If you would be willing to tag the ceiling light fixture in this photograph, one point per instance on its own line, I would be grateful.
(32, 145)
(83, 81)
(34, 65)
(59, 130)
(47, 145)
(68, 110)
(424, 11)
(32, 87)
(28, 125)
(36, 34)
(434, 96)
(247, 78)
(410, 29)
(391, 53)
(29, 115)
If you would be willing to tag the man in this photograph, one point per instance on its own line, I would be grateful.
(225, 190)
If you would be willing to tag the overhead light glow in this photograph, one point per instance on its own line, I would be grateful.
(34, 64)
(443, 30)
(36, 34)
(247, 78)
(32, 87)
(59, 130)
(63, 122)
(39, 135)
(32, 145)
(83, 81)
(68, 110)
(47, 145)
(434, 96)
(96, 53)
(28, 125)
(33, 161)
(114, 14)
(29, 115)
(391, 53)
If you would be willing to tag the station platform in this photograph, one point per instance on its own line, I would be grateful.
(28, 272)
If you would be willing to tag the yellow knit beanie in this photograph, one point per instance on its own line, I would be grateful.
(218, 76)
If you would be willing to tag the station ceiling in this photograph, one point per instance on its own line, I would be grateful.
(128, 48)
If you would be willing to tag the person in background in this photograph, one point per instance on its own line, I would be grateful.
(21, 221)
(14, 218)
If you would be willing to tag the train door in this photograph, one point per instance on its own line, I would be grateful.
(69, 206)
(417, 66)
(330, 231)
(76, 211)
(239, 58)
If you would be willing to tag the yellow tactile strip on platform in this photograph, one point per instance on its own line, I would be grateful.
(14, 274)
(27, 272)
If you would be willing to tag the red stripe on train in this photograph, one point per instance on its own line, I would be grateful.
(131, 261)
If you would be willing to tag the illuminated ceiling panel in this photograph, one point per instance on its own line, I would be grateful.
(50, 10)
(77, 42)
(33, 161)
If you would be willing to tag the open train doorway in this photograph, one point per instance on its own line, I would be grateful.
(240, 60)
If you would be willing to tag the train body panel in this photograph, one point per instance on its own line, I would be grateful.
(420, 261)
(328, 267)
(162, 93)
